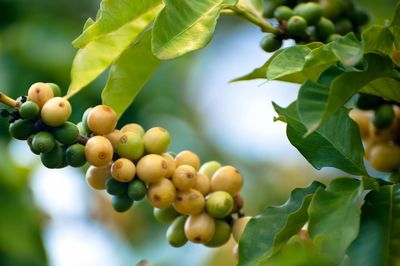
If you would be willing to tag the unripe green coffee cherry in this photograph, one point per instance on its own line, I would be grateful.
(137, 189)
(270, 44)
(325, 28)
(333, 37)
(209, 168)
(85, 119)
(152, 168)
(176, 232)
(56, 111)
(343, 26)
(53, 159)
(123, 170)
(156, 140)
(188, 158)
(22, 129)
(239, 226)
(55, 88)
(297, 26)
(102, 119)
(189, 202)
(202, 184)
(133, 128)
(98, 151)
(82, 129)
(383, 116)
(161, 194)
(310, 11)
(40, 93)
(96, 176)
(331, 9)
(360, 17)
(283, 12)
(67, 133)
(130, 146)
(75, 155)
(200, 228)
(33, 150)
(184, 177)
(171, 164)
(43, 142)
(222, 234)
(219, 204)
(227, 179)
(368, 102)
(114, 187)
(29, 110)
(121, 203)
(166, 215)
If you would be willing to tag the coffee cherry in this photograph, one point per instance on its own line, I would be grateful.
(238, 203)
(343, 26)
(184, 177)
(325, 28)
(82, 130)
(383, 116)
(331, 9)
(96, 176)
(360, 17)
(133, 128)
(114, 187)
(156, 140)
(222, 234)
(152, 168)
(189, 202)
(21, 129)
(33, 150)
(166, 215)
(43, 142)
(368, 102)
(283, 12)
(161, 194)
(176, 232)
(239, 226)
(123, 170)
(235, 251)
(227, 179)
(188, 158)
(297, 26)
(29, 110)
(56, 111)
(67, 134)
(137, 189)
(200, 228)
(75, 155)
(219, 204)
(202, 183)
(310, 11)
(55, 88)
(170, 163)
(270, 43)
(114, 138)
(53, 159)
(121, 203)
(209, 168)
(130, 146)
(40, 93)
(102, 119)
(99, 151)
(385, 157)
(85, 119)
(363, 120)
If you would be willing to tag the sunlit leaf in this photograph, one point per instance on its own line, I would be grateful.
(348, 49)
(378, 39)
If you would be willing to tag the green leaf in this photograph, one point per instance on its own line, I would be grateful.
(255, 7)
(326, 146)
(129, 74)
(348, 49)
(184, 26)
(378, 39)
(387, 88)
(268, 232)
(335, 217)
(379, 237)
(396, 27)
(99, 53)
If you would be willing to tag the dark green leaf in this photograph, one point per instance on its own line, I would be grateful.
(378, 39)
(396, 27)
(387, 88)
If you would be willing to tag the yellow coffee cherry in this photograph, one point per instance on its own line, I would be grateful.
(189, 202)
(102, 119)
(98, 151)
(383, 135)
(238, 203)
(184, 177)
(114, 137)
(239, 226)
(123, 170)
(200, 228)
(56, 111)
(202, 184)
(152, 168)
(363, 119)
(133, 128)
(161, 194)
(188, 158)
(235, 251)
(156, 140)
(170, 163)
(96, 176)
(227, 179)
(385, 157)
(40, 93)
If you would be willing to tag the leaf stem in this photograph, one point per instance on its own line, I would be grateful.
(7, 100)
(253, 18)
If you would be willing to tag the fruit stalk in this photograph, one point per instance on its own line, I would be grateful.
(7, 100)
(257, 20)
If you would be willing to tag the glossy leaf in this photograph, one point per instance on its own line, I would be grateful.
(255, 7)
(98, 54)
(378, 39)
(349, 50)
(379, 236)
(129, 74)
(266, 233)
(326, 146)
(335, 217)
(396, 27)
(387, 88)
(184, 26)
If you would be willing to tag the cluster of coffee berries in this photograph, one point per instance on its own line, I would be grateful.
(306, 22)
(379, 123)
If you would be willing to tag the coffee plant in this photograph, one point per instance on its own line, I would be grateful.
(346, 116)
